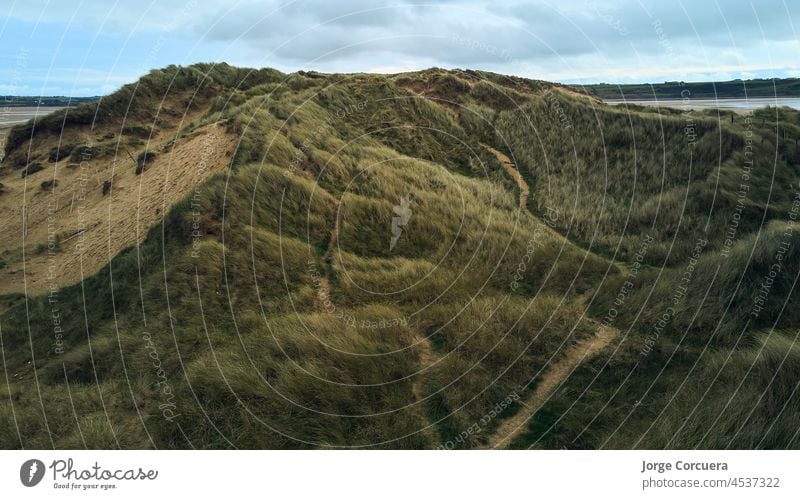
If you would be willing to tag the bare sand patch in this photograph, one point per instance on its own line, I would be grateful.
(75, 229)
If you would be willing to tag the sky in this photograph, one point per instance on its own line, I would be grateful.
(92, 47)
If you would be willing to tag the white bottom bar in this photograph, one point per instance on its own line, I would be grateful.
(402, 474)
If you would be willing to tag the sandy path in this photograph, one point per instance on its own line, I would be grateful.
(555, 374)
(324, 282)
(423, 343)
(335, 230)
(425, 360)
(523, 199)
(552, 378)
(524, 190)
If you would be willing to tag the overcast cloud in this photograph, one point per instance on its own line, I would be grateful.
(92, 47)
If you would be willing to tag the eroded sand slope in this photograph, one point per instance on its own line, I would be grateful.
(73, 229)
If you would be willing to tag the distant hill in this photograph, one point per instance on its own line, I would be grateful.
(766, 87)
(220, 257)
(48, 101)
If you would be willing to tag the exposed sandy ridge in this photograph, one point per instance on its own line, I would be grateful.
(92, 227)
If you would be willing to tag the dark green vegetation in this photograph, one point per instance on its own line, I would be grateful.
(46, 101)
(763, 87)
(271, 311)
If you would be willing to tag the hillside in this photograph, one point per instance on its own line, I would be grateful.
(216, 257)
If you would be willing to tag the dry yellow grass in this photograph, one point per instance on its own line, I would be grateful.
(93, 227)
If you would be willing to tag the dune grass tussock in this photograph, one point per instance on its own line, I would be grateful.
(363, 276)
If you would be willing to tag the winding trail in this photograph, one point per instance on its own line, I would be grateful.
(552, 378)
(524, 189)
(335, 230)
(423, 343)
(555, 374)
(560, 370)
(324, 282)
(524, 193)
(425, 349)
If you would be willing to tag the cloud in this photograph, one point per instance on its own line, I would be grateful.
(598, 40)
(509, 35)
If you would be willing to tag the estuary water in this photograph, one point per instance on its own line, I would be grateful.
(736, 105)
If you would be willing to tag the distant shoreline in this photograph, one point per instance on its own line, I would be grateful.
(7, 101)
(782, 88)
(734, 104)
(695, 99)
(11, 116)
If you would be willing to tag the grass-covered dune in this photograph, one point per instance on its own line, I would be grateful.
(363, 274)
